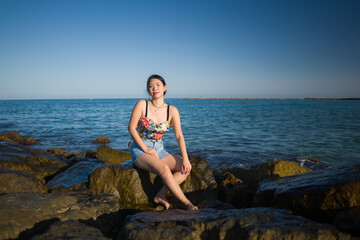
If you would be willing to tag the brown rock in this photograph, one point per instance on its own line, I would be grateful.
(318, 195)
(102, 139)
(12, 181)
(70, 229)
(135, 188)
(234, 191)
(15, 137)
(250, 223)
(348, 220)
(23, 213)
(58, 151)
(108, 155)
(36, 162)
(273, 169)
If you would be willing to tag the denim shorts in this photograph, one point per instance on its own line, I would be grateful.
(158, 145)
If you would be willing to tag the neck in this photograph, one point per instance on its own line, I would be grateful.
(158, 101)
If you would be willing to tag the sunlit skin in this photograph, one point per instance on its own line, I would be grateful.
(172, 169)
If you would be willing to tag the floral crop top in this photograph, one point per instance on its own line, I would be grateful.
(148, 129)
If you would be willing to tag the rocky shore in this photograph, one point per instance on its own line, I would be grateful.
(98, 194)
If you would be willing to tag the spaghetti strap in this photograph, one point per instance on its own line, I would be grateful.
(167, 119)
(146, 108)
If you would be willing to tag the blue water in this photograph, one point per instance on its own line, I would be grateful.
(227, 133)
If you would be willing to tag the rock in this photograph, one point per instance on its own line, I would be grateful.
(58, 151)
(250, 223)
(75, 177)
(273, 169)
(36, 162)
(26, 214)
(348, 220)
(88, 154)
(201, 176)
(318, 195)
(102, 139)
(12, 181)
(109, 155)
(234, 191)
(70, 229)
(135, 188)
(15, 137)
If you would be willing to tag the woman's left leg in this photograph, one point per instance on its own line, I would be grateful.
(174, 162)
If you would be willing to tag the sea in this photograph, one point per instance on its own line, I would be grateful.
(225, 132)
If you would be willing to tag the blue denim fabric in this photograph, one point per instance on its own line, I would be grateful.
(158, 145)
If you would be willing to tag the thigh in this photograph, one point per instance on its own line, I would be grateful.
(174, 162)
(149, 163)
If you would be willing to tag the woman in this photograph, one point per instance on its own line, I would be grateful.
(148, 123)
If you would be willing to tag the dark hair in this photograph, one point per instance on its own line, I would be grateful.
(158, 77)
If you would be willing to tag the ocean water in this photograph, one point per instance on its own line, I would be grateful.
(226, 132)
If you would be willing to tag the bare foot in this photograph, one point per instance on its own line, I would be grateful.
(162, 201)
(191, 207)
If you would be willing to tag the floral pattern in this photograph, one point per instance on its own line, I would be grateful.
(148, 129)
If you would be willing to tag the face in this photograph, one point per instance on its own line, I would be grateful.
(156, 88)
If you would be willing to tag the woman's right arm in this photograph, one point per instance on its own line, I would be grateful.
(134, 119)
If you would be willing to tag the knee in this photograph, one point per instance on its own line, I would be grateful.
(165, 171)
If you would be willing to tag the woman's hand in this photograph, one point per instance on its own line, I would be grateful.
(186, 167)
(152, 152)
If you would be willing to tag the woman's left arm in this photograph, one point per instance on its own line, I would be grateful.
(175, 120)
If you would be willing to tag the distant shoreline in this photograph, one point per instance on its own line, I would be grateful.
(307, 98)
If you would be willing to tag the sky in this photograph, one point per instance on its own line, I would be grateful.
(52, 49)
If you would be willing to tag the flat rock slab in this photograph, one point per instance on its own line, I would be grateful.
(318, 195)
(70, 229)
(250, 223)
(22, 211)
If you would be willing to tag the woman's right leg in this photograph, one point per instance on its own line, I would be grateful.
(153, 164)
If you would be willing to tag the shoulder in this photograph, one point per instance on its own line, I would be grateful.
(140, 103)
(173, 110)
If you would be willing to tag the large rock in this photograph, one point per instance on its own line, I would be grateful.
(273, 169)
(234, 191)
(135, 188)
(250, 223)
(36, 162)
(348, 220)
(70, 229)
(15, 137)
(318, 195)
(12, 181)
(25, 214)
(102, 139)
(74, 178)
(109, 155)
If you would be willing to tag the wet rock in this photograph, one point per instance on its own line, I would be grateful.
(70, 229)
(318, 195)
(102, 139)
(109, 155)
(75, 177)
(135, 188)
(273, 169)
(250, 223)
(58, 151)
(25, 214)
(88, 154)
(12, 181)
(234, 191)
(15, 137)
(36, 162)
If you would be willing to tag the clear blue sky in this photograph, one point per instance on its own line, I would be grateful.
(223, 48)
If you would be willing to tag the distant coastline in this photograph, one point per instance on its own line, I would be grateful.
(307, 98)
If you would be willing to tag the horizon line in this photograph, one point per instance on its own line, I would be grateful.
(198, 98)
